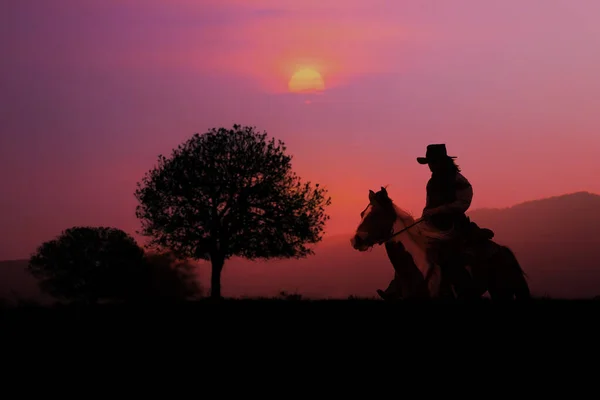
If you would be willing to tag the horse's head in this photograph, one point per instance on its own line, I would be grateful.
(377, 221)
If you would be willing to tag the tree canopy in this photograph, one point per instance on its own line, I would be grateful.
(88, 264)
(230, 192)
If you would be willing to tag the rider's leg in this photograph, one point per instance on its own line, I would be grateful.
(433, 257)
(453, 268)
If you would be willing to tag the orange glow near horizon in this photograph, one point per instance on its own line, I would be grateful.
(306, 80)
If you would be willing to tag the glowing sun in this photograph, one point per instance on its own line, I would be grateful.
(306, 80)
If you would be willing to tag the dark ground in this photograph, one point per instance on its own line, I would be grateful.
(289, 333)
(308, 311)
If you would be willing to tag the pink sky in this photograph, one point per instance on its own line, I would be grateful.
(92, 91)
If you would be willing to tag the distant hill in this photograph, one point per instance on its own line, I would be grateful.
(571, 217)
(557, 241)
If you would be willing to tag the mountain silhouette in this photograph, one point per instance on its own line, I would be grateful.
(556, 239)
(567, 218)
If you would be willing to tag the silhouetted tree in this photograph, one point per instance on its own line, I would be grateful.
(230, 193)
(87, 264)
(168, 279)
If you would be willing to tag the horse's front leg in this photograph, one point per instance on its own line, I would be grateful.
(393, 291)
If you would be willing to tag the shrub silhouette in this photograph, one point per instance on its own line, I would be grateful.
(88, 264)
(230, 193)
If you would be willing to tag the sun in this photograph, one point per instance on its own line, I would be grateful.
(306, 80)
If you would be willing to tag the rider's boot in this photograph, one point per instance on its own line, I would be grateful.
(462, 282)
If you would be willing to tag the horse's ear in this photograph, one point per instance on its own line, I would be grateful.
(384, 191)
(371, 195)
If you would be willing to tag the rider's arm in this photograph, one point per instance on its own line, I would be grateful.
(428, 197)
(464, 196)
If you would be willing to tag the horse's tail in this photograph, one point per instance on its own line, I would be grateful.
(521, 287)
(516, 263)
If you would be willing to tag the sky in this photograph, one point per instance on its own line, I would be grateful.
(92, 91)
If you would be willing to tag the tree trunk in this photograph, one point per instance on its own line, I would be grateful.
(215, 278)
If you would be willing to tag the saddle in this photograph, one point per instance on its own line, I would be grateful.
(475, 239)
(473, 236)
(477, 234)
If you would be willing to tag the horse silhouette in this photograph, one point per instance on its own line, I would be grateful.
(493, 267)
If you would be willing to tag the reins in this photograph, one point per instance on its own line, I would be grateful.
(405, 228)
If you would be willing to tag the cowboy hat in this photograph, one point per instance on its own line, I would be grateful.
(435, 152)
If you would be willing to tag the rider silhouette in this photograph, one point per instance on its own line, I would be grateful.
(449, 196)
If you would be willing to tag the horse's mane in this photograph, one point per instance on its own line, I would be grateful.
(402, 213)
(424, 229)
